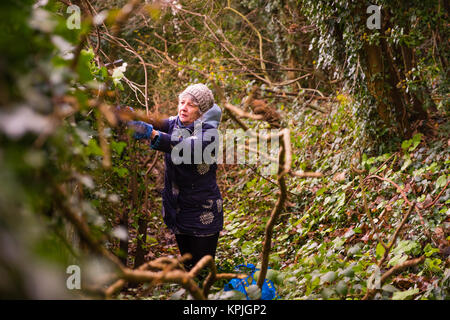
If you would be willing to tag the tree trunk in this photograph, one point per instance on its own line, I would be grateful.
(375, 81)
(124, 242)
(416, 101)
(139, 257)
(395, 96)
(292, 63)
(386, 96)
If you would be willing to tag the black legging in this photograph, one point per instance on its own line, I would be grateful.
(198, 247)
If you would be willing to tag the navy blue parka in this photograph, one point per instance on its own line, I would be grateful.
(192, 202)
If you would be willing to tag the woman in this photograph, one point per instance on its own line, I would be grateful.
(192, 202)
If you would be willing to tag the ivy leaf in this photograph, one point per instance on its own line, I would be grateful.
(441, 181)
(251, 183)
(84, 65)
(433, 264)
(178, 295)
(330, 276)
(404, 246)
(406, 144)
(389, 288)
(121, 172)
(103, 72)
(404, 295)
(93, 148)
(151, 240)
(247, 248)
(118, 147)
(406, 164)
(396, 260)
(429, 250)
(415, 141)
(321, 191)
(380, 250)
(254, 292)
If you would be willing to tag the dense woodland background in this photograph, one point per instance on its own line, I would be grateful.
(367, 110)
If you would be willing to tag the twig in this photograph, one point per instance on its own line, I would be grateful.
(399, 189)
(243, 114)
(401, 267)
(152, 165)
(160, 263)
(437, 197)
(176, 276)
(388, 248)
(213, 276)
(275, 212)
(395, 235)
(302, 174)
(367, 212)
(106, 159)
(82, 228)
(394, 270)
(287, 161)
(263, 66)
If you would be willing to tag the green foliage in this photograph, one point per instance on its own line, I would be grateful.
(324, 239)
(405, 295)
(324, 246)
(342, 40)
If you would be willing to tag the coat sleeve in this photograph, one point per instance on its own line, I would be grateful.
(164, 126)
(194, 144)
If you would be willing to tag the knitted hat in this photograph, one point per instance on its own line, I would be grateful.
(201, 93)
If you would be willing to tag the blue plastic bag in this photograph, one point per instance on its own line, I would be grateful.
(268, 291)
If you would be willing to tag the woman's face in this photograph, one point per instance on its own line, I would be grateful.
(187, 110)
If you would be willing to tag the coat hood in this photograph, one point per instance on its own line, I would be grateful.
(212, 116)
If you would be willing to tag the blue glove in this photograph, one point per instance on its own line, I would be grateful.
(142, 130)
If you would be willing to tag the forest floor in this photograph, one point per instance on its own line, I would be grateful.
(325, 245)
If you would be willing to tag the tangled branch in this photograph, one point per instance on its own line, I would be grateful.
(164, 269)
(284, 169)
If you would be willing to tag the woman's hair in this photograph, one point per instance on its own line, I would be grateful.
(193, 99)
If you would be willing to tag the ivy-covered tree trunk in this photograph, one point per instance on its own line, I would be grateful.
(375, 76)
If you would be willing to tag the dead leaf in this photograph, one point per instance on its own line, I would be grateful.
(290, 204)
(339, 177)
(439, 232)
(366, 237)
(379, 199)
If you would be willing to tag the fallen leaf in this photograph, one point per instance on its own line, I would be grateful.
(366, 237)
(339, 177)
